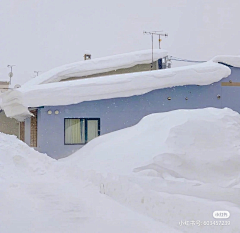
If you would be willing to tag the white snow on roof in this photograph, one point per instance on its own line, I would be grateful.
(16, 102)
(97, 66)
(228, 59)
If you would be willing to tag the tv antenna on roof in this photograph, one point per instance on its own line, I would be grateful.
(155, 33)
(37, 72)
(11, 72)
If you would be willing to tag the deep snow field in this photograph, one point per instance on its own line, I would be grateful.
(169, 168)
(36, 197)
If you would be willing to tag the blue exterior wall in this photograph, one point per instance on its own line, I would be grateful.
(119, 113)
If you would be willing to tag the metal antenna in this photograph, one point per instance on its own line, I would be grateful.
(11, 72)
(159, 34)
(37, 72)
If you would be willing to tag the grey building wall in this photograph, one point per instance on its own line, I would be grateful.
(8, 125)
(136, 68)
(119, 113)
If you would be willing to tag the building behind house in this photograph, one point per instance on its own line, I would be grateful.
(7, 125)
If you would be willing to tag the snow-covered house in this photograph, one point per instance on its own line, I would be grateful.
(117, 64)
(59, 118)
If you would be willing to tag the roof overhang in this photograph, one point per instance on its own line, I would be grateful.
(16, 102)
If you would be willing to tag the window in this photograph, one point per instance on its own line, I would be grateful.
(80, 130)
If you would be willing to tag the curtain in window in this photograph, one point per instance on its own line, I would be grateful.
(92, 127)
(74, 131)
(82, 131)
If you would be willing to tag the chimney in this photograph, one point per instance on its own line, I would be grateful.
(87, 56)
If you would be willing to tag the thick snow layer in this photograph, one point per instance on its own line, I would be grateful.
(97, 66)
(202, 145)
(173, 166)
(228, 59)
(16, 102)
(35, 196)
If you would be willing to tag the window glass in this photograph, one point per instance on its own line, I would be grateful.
(74, 131)
(80, 131)
(92, 129)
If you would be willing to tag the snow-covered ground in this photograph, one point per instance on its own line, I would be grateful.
(36, 197)
(169, 168)
(174, 166)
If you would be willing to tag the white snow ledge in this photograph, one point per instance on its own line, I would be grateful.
(228, 60)
(98, 66)
(16, 102)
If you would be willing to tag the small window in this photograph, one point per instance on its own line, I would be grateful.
(81, 131)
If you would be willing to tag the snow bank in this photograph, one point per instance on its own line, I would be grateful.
(37, 197)
(16, 102)
(228, 59)
(202, 145)
(173, 166)
(18, 160)
(98, 66)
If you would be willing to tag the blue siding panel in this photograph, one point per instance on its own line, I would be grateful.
(119, 113)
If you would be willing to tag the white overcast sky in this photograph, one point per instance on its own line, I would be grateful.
(43, 34)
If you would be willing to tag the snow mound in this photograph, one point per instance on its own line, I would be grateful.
(199, 145)
(30, 187)
(18, 160)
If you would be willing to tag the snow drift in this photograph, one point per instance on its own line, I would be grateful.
(201, 145)
(35, 196)
(18, 160)
(175, 166)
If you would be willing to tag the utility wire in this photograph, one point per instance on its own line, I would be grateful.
(184, 60)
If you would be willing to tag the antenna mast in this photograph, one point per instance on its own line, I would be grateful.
(11, 72)
(37, 72)
(155, 33)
